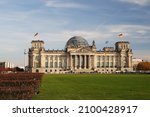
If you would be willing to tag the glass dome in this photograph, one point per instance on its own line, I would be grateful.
(76, 41)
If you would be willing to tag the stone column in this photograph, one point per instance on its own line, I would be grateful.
(67, 61)
(62, 62)
(109, 61)
(75, 62)
(114, 61)
(95, 66)
(131, 62)
(42, 61)
(100, 61)
(80, 62)
(121, 61)
(71, 62)
(49, 61)
(89, 62)
(84, 61)
(57, 61)
(105, 62)
(53, 62)
(31, 65)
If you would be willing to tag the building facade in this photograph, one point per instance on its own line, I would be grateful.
(135, 62)
(6, 65)
(79, 56)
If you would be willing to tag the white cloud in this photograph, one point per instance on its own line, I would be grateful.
(137, 2)
(138, 33)
(62, 4)
(134, 33)
(18, 41)
(14, 16)
(65, 35)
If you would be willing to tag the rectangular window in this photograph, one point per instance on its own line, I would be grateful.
(117, 58)
(46, 64)
(107, 58)
(55, 64)
(37, 58)
(65, 64)
(46, 58)
(102, 64)
(60, 58)
(111, 64)
(98, 64)
(37, 65)
(115, 64)
(111, 58)
(107, 64)
(103, 58)
(51, 64)
(60, 64)
(98, 58)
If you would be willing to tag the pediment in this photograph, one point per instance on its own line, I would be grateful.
(82, 50)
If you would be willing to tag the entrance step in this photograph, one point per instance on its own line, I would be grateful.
(83, 71)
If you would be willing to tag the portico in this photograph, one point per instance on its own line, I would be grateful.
(81, 61)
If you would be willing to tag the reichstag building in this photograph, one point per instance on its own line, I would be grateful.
(78, 57)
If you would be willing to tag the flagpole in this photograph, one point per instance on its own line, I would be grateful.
(25, 60)
(121, 35)
(105, 56)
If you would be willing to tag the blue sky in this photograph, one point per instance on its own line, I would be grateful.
(58, 20)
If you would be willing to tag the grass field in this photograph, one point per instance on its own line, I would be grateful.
(94, 87)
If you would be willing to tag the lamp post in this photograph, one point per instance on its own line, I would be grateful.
(25, 59)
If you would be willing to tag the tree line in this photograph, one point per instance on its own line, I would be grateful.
(144, 66)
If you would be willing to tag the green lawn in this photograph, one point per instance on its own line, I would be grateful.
(94, 87)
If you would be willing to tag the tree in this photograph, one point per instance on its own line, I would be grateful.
(145, 66)
(17, 69)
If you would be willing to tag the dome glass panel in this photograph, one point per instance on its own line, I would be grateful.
(76, 41)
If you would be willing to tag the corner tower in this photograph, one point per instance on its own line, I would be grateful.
(37, 44)
(35, 55)
(122, 46)
(124, 56)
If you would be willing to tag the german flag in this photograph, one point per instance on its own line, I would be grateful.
(36, 34)
(120, 35)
